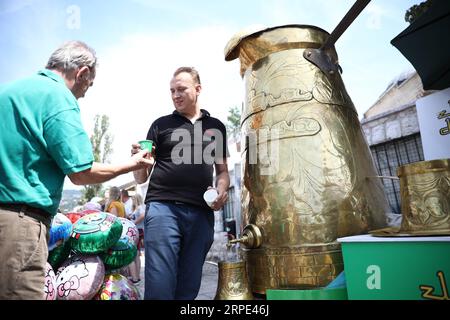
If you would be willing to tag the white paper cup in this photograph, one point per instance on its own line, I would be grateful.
(210, 195)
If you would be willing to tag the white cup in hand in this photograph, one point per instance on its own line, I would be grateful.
(210, 195)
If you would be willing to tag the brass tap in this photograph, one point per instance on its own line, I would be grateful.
(251, 237)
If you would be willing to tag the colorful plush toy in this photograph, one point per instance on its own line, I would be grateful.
(95, 233)
(119, 255)
(117, 287)
(58, 255)
(50, 283)
(80, 277)
(74, 216)
(59, 230)
(129, 230)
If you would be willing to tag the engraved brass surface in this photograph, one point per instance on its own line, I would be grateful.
(305, 161)
(300, 268)
(425, 194)
(233, 282)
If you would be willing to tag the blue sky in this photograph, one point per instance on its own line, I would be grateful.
(141, 42)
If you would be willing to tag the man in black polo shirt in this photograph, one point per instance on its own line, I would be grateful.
(179, 225)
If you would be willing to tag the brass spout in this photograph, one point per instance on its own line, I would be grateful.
(251, 237)
(385, 177)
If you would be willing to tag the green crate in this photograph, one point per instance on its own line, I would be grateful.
(396, 268)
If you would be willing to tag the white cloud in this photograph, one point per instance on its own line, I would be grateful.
(12, 6)
(306, 12)
(375, 15)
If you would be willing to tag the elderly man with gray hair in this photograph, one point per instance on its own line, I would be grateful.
(42, 140)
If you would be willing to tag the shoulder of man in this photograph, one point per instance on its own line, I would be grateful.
(163, 119)
(54, 96)
(216, 121)
(37, 81)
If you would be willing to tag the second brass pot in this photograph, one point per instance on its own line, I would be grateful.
(233, 282)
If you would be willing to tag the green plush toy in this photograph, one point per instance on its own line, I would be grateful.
(120, 255)
(95, 233)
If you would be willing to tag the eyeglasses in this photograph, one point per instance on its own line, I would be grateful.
(92, 71)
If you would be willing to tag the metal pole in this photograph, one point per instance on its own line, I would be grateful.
(348, 19)
(320, 57)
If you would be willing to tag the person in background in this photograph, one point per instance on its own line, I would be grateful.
(126, 200)
(137, 216)
(189, 145)
(104, 200)
(42, 141)
(114, 205)
(91, 206)
(94, 204)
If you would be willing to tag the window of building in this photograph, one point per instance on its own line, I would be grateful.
(389, 156)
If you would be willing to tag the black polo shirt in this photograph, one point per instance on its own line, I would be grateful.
(185, 154)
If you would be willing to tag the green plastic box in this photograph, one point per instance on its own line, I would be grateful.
(313, 294)
(396, 268)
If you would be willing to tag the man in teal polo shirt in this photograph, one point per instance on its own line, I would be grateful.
(41, 141)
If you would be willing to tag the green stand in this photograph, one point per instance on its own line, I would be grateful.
(314, 294)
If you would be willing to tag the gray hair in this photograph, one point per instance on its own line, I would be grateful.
(72, 55)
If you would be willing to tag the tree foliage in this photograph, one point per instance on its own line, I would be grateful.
(234, 121)
(101, 142)
(417, 10)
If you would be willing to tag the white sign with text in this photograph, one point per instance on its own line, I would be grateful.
(433, 113)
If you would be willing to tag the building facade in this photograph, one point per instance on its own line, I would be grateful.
(392, 131)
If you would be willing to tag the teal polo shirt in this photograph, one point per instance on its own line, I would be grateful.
(41, 140)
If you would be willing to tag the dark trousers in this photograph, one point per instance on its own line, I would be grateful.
(177, 238)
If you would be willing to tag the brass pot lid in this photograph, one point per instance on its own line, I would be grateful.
(424, 167)
(231, 49)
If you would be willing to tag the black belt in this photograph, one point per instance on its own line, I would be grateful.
(36, 213)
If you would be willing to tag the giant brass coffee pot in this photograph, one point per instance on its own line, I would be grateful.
(308, 174)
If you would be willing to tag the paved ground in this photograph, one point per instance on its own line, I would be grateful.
(210, 274)
(140, 285)
(209, 282)
(207, 288)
